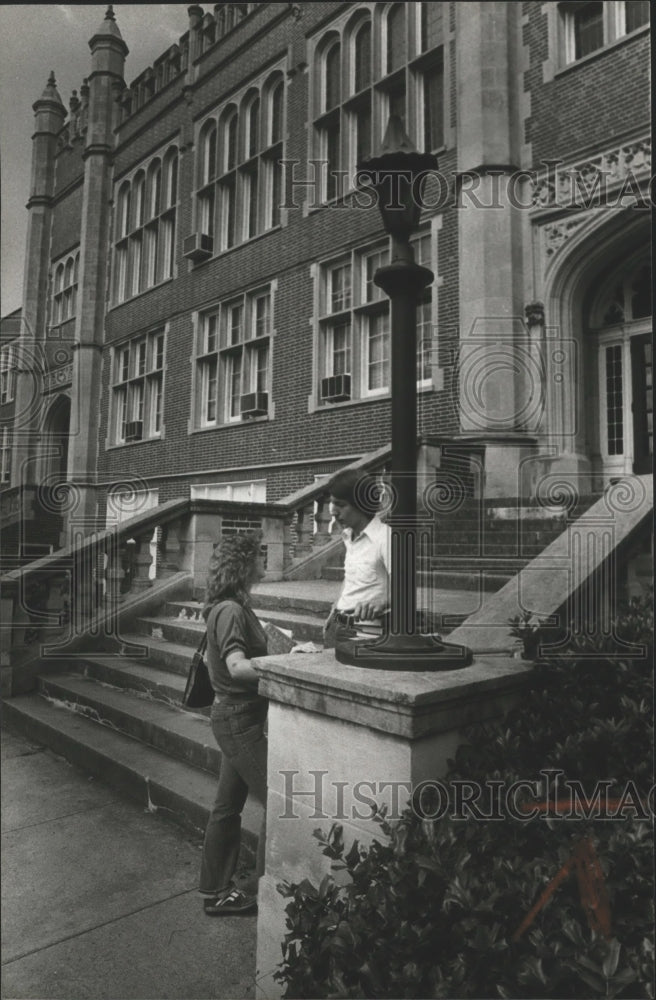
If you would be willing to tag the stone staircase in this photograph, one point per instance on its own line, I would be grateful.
(120, 717)
(117, 713)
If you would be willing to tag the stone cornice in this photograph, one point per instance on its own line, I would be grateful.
(412, 704)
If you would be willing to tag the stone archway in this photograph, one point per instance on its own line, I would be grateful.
(590, 418)
(54, 443)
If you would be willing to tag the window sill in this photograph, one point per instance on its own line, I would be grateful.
(228, 426)
(131, 444)
(384, 397)
(585, 60)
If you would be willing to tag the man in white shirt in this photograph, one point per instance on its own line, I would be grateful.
(364, 596)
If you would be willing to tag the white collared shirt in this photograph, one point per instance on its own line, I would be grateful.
(366, 566)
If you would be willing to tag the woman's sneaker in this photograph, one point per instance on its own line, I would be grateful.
(234, 901)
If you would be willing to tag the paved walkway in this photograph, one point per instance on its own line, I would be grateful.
(99, 896)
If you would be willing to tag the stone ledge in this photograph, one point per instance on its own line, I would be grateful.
(412, 704)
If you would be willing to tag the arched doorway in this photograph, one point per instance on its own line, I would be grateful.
(598, 315)
(56, 428)
(620, 323)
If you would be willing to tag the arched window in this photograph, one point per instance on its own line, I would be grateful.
(208, 152)
(332, 76)
(229, 137)
(123, 211)
(396, 46)
(154, 189)
(276, 104)
(171, 178)
(253, 138)
(65, 289)
(362, 57)
(138, 200)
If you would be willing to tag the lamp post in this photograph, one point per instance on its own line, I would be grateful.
(396, 176)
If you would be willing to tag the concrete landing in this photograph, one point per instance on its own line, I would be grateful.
(99, 896)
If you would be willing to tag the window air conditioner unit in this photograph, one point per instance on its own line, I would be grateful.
(254, 404)
(335, 388)
(198, 247)
(134, 430)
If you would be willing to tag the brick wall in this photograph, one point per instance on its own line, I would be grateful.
(284, 255)
(588, 104)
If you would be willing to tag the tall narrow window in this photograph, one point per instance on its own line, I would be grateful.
(396, 42)
(145, 227)
(363, 74)
(65, 285)
(614, 400)
(433, 84)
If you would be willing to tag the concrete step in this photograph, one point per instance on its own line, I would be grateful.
(138, 676)
(171, 656)
(299, 596)
(179, 631)
(183, 735)
(183, 793)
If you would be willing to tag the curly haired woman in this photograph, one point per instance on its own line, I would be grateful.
(238, 715)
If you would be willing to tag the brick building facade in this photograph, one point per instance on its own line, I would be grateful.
(199, 312)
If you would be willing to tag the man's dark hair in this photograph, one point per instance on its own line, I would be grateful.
(358, 488)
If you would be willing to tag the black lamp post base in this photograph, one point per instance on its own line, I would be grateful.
(402, 652)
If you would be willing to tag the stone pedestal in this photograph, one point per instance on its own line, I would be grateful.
(342, 738)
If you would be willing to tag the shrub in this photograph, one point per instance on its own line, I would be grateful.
(430, 910)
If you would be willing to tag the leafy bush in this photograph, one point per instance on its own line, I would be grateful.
(431, 909)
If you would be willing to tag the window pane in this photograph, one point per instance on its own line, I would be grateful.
(230, 138)
(396, 98)
(378, 345)
(637, 14)
(332, 71)
(209, 155)
(254, 127)
(340, 288)
(262, 316)
(363, 132)
(235, 324)
(276, 112)
(614, 400)
(431, 25)
(332, 146)
(341, 359)
(210, 390)
(395, 37)
(211, 331)
(363, 57)
(588, 29)
(434, 108)
(235, 385)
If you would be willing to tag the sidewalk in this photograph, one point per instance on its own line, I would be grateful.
(99, 896)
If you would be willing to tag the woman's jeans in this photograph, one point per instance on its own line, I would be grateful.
(238, 728)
